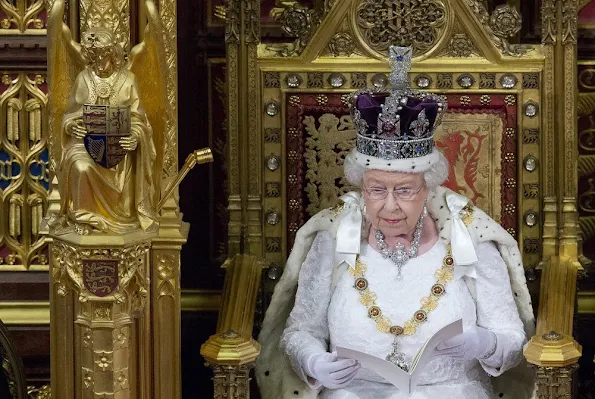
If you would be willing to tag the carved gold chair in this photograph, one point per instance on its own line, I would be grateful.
(12, 373)
(504, 135)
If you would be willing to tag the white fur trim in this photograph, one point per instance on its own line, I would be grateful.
(274, 374)
(411, 165)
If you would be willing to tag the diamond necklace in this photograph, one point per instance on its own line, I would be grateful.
(399, 256)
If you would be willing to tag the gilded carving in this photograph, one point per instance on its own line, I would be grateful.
(530, 246)
(22, 16)
(487, 80)
(253, 117)
(460, 46)
(252, 22)
(315, 80)
(530, 190)
(273, 189)
(272, 80)
(103, 312)
(23, 147)
(104, 360)
(232, 25)
(43, 392)
(231, 381)
(67, 267)
(233, 115)
(569, 21)
(554, 382)
(444, 81)
(272, 135)
(505, 21)
(342, 44)
(548, 120)
(273, 244)
(570, 120)
(499, 26)
(401, 22)
(93, 120)
(109, 14)
(530, 80)
(298, 22)
(358, 80)
(530, 136)
(168, 269)
(167, 12)
(548, 22)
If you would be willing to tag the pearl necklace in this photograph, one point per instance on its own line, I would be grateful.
(399, 256)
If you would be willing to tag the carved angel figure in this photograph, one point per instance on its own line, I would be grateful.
(113, 199)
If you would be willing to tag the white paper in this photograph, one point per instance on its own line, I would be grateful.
(405, 381)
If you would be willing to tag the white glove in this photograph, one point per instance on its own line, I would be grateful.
(475, 343)
(330, 371)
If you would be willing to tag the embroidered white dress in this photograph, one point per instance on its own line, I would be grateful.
(325, 316)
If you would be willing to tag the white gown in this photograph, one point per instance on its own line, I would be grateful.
(323, 318)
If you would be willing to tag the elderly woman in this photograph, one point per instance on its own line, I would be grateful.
(392, 265)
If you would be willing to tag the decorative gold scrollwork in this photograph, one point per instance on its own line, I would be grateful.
(505, 21)
(342, 44)
(569, 21)
(43, 392)
(460, 46)
(24, 168)
(299, 22)
(401, 22)
(548, 24)
(22, 16)
(499, 26)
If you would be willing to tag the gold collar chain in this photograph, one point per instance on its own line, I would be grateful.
(428, 303)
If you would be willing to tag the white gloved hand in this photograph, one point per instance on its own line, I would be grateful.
(331, 371)
(475, 343)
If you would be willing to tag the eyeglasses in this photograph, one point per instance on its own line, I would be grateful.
(401, 193)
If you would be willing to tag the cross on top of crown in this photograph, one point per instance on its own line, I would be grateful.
(400, 63)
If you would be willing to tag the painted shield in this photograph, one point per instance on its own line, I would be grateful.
(100, 276)
(106, 125)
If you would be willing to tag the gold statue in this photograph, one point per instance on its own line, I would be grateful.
(108, 141)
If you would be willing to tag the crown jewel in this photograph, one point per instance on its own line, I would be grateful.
(397, 123)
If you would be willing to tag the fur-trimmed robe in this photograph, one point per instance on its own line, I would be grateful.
(274, 374)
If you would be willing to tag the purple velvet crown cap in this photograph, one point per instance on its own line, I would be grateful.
(370, 107)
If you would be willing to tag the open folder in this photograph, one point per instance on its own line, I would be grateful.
(405, 381)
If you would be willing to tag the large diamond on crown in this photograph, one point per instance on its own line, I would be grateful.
(398, 123)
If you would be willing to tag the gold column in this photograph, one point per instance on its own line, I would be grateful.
(231, 352)
(163, 325)
(98, 292)
(552, 349)
(244, 156)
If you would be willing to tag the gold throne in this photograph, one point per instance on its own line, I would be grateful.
(509, 136)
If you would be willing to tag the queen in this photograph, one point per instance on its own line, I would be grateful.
(399, 259)
(121, 198)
